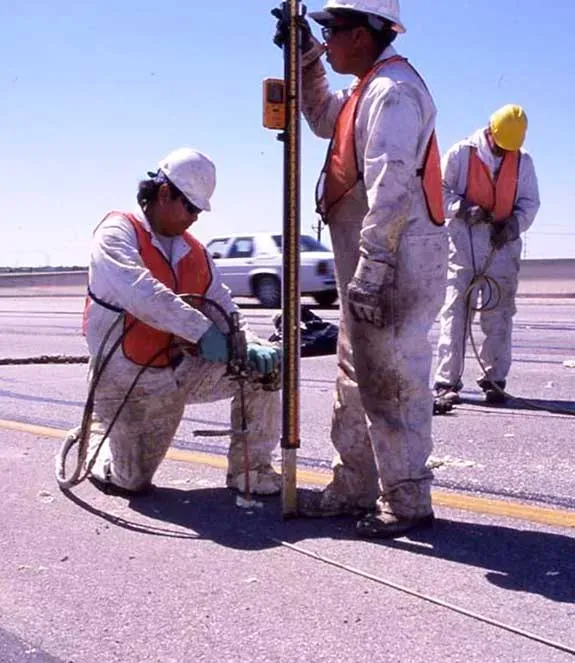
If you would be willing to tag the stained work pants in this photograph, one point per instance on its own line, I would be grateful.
(381, 426)
(141, 436)
(471, 253)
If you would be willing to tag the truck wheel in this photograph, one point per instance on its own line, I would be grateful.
(268, 290)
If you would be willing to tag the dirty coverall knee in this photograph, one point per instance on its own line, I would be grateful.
(203, 382)
(142, 435)
(355, 478)
(453, 332)
(497, 322)
(138, 440)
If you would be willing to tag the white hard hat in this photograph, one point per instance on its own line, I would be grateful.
(193, 173)
(388, 9)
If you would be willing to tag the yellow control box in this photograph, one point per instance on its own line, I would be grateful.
(274, 105)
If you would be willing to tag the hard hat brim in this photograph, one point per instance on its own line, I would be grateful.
(324, 18)
(202, 203)
(329, 19)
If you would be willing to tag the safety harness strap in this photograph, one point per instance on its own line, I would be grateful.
(110, 307)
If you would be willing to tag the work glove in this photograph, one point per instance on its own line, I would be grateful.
(370, 293)
(263, 358)
(213, 346)
(472, 214)
(311, 48)
(282, 27)
(503, 232)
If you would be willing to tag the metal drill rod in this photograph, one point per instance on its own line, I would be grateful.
(291, 260)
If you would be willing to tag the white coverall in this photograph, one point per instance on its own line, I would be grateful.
(469, 250)
(142, 435)
(381, 424)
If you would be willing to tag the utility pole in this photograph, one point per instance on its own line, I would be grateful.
(318, 228)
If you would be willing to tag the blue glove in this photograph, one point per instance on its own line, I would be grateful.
(213, 346)
(264, 358)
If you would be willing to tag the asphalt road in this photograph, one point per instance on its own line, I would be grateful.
(163, 581)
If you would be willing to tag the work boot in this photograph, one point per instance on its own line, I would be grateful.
(493, 395)
(384, 524)
(109, 488)
(441, 407)
(328, 504)
(263, 481)
(446, 393)
(407, 506)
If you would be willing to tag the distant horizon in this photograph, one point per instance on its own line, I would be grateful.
(7, 269)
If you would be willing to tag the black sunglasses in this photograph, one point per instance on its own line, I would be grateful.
(188, 206)
(328, 33)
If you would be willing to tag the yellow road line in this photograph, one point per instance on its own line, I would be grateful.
(44, 431)
(460, 501)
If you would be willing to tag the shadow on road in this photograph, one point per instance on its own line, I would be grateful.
(514, 559)
(528, 404)
(519, 560)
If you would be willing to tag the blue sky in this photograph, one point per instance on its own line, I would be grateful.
(94, 94)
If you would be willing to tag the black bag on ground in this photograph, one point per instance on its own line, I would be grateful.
(318, 337)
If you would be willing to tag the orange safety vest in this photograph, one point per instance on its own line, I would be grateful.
(341, 171)
(193, 275)
(497, 197)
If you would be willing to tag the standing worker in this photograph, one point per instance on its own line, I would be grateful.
(140, 264)
(491, 197)
(380, 195)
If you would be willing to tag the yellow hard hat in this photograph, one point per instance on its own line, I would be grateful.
(508, 127)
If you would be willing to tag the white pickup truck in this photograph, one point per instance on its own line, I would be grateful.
(251, 266)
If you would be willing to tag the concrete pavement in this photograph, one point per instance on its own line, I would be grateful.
(187, 576)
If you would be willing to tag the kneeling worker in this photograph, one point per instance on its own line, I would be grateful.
(140, 264)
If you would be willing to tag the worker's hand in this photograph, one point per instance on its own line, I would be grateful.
(476, 214)
(213, 346)
(505, 231)
(473, 214)
(311, 48)
(307, 37)
(370, 293)
(263, 358)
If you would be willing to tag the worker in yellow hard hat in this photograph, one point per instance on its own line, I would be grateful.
(491, 197)
(507, 127)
